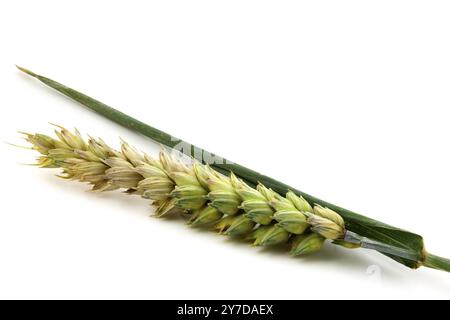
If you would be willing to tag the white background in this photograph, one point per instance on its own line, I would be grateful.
(346, 100)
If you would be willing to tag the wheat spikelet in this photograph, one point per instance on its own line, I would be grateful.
(211, 199)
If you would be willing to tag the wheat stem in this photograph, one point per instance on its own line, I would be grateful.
(435, 262)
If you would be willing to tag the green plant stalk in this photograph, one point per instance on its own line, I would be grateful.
(438, 263)
(384, 234)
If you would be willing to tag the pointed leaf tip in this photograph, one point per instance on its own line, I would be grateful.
(26, 71)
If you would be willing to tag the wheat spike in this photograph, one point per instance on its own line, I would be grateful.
(209, 198)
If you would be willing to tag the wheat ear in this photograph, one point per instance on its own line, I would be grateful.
(209, 198)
